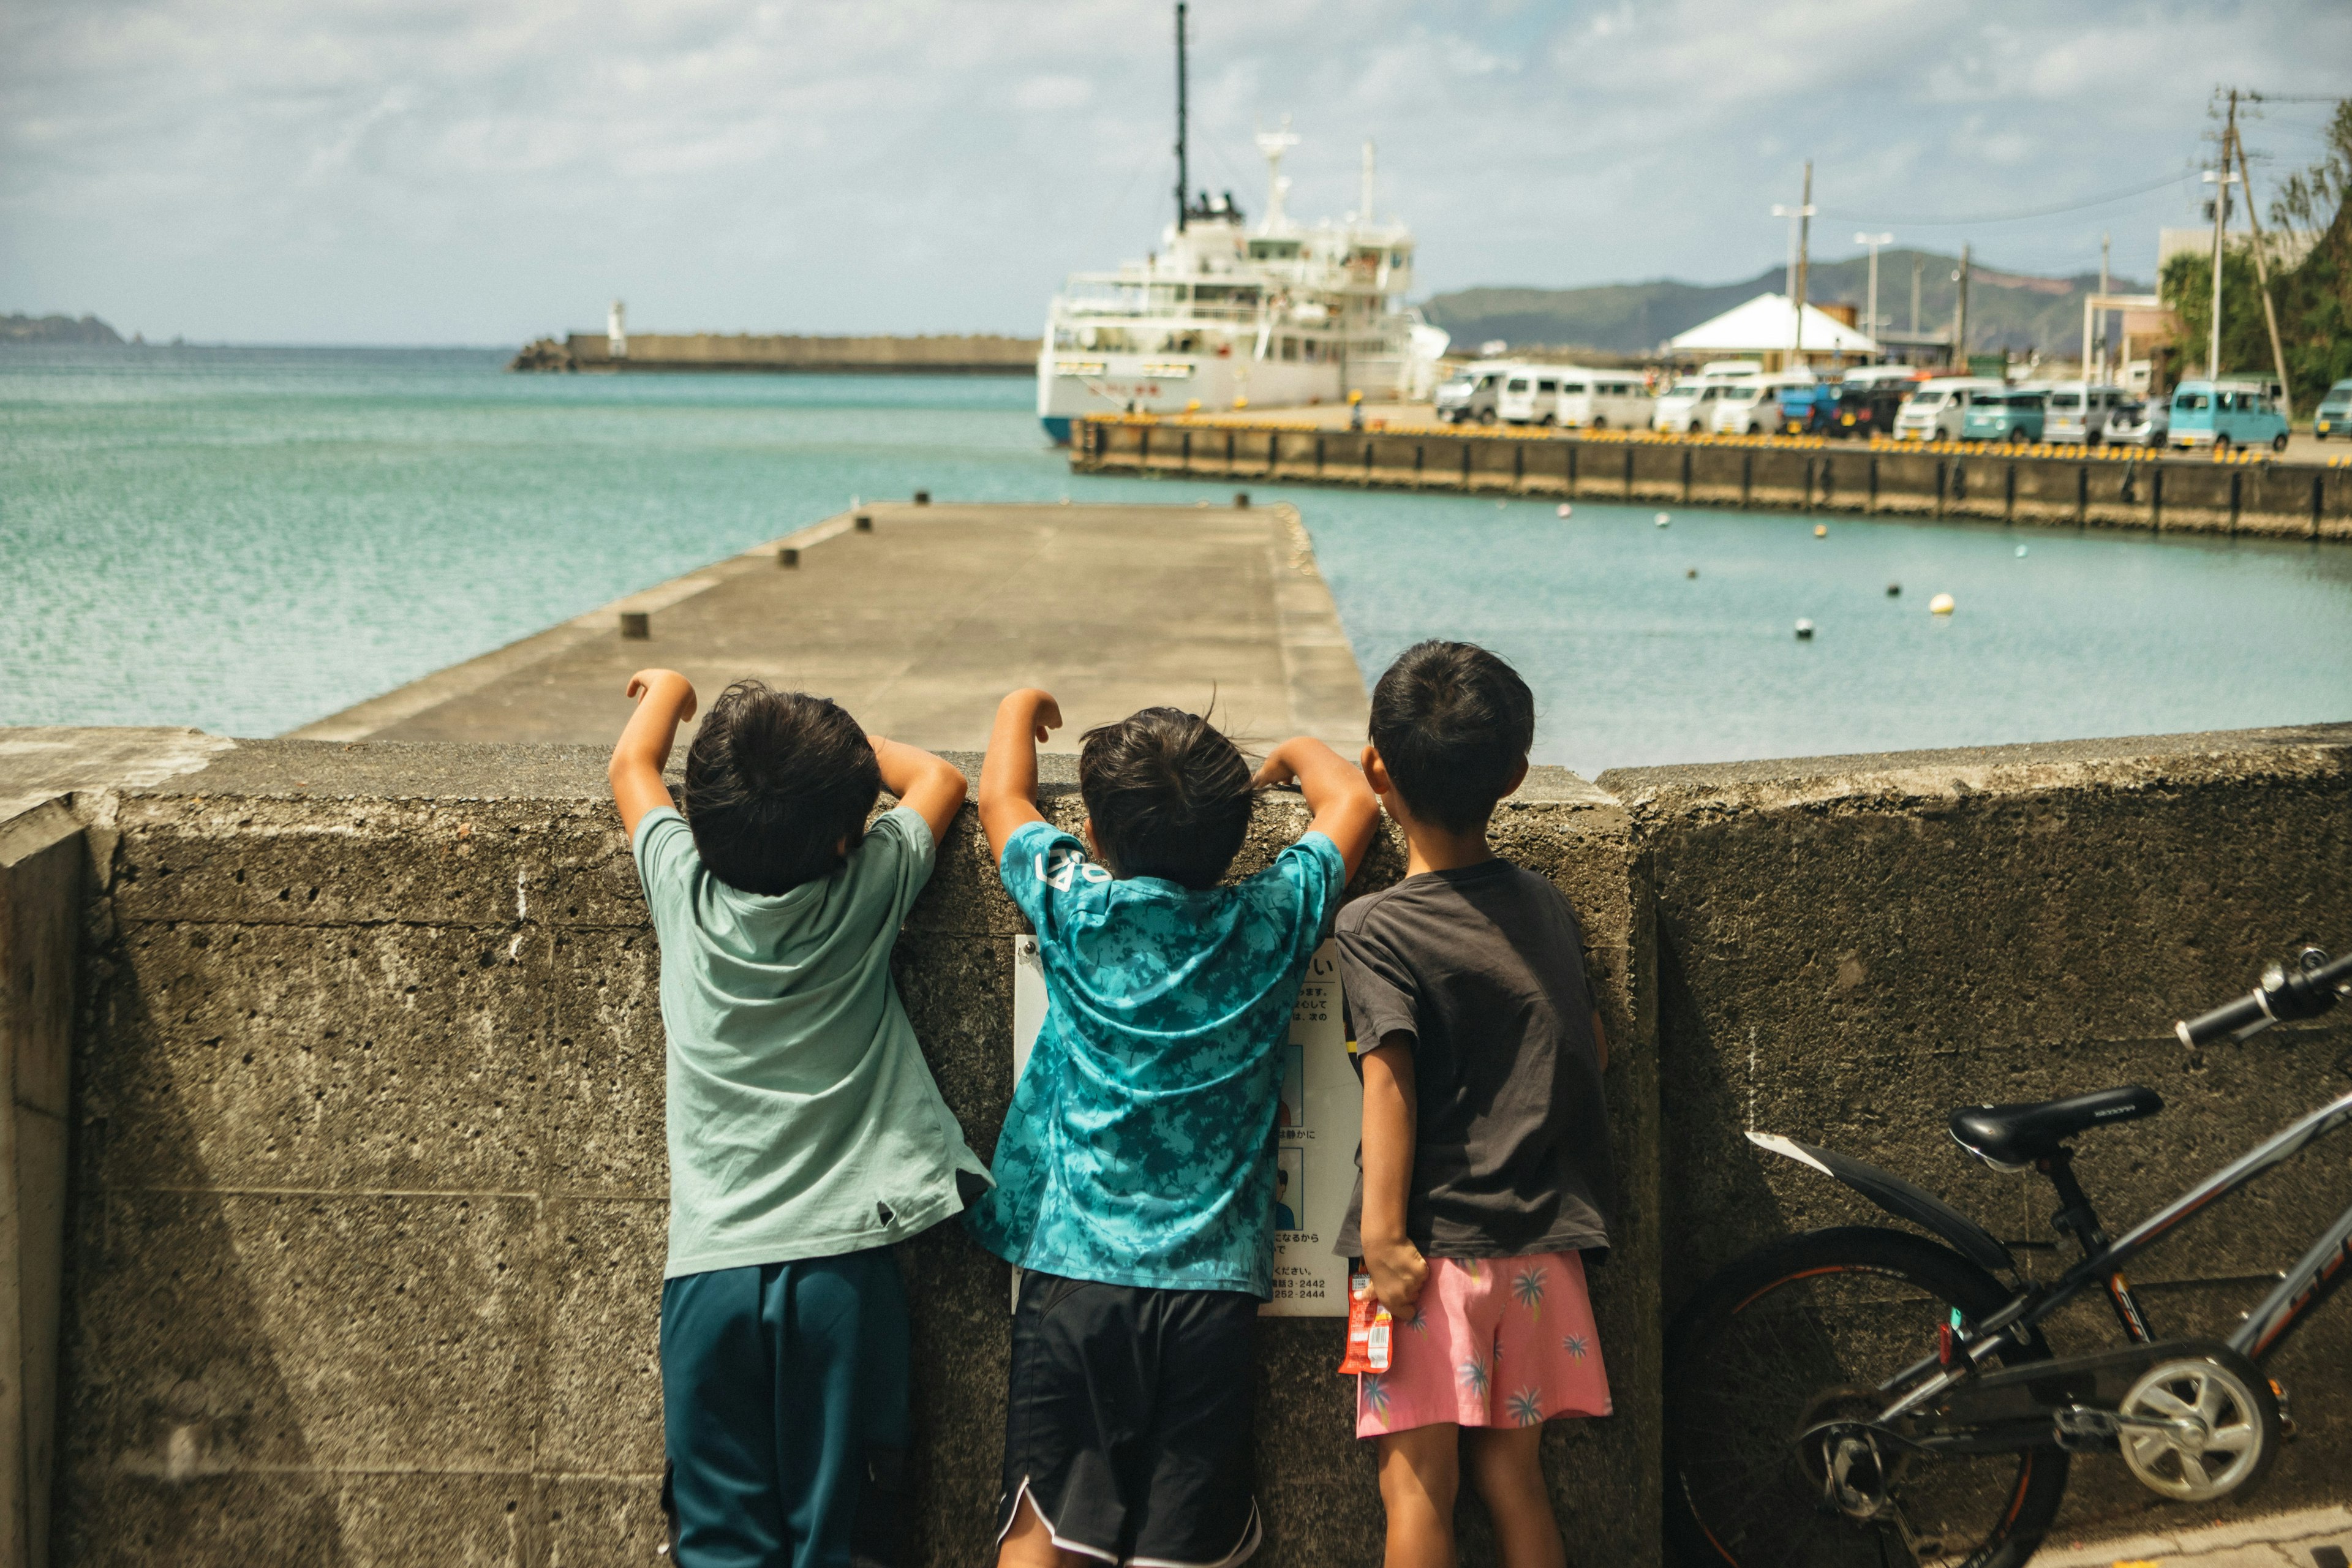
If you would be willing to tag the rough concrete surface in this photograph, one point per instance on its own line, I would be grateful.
(2050, 486)
(2264, 1541)
(1851, 947)
(368, 1194)
(368, 1225)
(920, 624)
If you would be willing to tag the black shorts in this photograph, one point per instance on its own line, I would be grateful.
(1127, 1423)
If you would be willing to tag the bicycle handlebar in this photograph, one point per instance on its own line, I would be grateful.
(2303, 987)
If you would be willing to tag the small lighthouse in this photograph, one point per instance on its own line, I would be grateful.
(616, 331)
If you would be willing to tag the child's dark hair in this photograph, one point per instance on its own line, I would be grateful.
(1453, 724)
(1168, 795)
(775, 781)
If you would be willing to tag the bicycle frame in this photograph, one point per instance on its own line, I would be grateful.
(2318, 1272)
(2314, 1278)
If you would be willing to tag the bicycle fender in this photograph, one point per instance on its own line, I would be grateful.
(1899, 1198)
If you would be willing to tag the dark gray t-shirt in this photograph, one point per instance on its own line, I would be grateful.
(1483, 968)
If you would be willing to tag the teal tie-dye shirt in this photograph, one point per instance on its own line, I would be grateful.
(1137, 1148)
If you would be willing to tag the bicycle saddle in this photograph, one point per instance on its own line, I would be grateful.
(2020, 1134)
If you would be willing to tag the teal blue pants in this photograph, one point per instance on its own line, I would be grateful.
(784, 1410)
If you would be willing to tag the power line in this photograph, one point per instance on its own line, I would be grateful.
(2007, 218)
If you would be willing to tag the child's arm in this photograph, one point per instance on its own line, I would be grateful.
(1395, 1264)
(933, 787)
(1345, 808)
(1008, 779)
(664, 700)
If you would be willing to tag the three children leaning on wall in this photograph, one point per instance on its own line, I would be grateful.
(1133, 1182)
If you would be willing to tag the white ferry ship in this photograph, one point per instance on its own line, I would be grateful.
(1226, 314)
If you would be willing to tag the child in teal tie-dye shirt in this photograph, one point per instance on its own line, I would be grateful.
(1134, 1184)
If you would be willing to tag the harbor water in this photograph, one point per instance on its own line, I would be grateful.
(247, 540)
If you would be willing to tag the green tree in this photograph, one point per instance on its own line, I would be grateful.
(2313, 298)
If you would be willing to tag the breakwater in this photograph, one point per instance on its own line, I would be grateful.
(364, 1174)
(945, 354)
(2077, 487)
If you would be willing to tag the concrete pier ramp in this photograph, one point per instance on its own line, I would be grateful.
(919, 618)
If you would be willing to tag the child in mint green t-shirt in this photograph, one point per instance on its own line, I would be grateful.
(805, 1133)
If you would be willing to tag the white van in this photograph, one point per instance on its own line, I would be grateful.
(1598, 399)
(1751, 405)
(1531, 395)
(1689, 405)
(2078, 413)
(1935, 412)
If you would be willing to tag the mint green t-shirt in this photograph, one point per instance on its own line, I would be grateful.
(803, 1122)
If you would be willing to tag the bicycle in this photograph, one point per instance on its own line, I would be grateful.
(1867, 1395)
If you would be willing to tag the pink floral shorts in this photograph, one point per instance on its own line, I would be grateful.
(1493, 1341)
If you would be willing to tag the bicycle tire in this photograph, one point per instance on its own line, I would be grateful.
(1737, 1492)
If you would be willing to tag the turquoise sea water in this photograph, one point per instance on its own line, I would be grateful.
(247, 540)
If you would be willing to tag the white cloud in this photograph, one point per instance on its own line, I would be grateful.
(444, 170)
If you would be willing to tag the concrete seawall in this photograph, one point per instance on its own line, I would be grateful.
(364, 1221)
(2075, 489)
(944, 354)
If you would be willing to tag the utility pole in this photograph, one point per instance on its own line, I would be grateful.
(1919, 266)
(2103, 316)
(1800, 231)
(1961, 315)
(1804, 256)
(1874, 241)
(1182, 179)
(2219, 178)
(2262, 276)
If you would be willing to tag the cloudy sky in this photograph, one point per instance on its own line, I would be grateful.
(486, 171)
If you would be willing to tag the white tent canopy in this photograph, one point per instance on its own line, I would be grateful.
(1766, 324)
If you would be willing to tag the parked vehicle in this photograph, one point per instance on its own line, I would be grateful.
(1687, 405)
(1600, 399)
(2017, 414)
(2139, 423)
(1935, 409)
(1868, 400)
(2226, 414)
(1810, 410)
(1749, 404)
(1530, 396)
(1470, 394)
(2334, 416)
(2078, 411)
(1742, 409)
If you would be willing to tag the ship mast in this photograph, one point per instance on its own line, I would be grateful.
(1180, 174)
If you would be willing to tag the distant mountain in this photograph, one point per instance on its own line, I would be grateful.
(56, 330)
(2006, 309)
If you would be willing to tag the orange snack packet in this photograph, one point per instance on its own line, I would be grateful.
(1370, 1329)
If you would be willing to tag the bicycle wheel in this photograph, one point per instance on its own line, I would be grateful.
(1802, 1331)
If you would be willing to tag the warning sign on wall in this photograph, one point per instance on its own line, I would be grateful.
(1319, 1116)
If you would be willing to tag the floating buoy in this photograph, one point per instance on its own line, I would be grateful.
(2020, 552)
(1664, 518)
(1804, 631)
(1566, 509)
(1820, 531)
(1941, 605)
(1691, 572)
(1895, 590)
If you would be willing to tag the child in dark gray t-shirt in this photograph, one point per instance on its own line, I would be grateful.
(1487, 1174)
